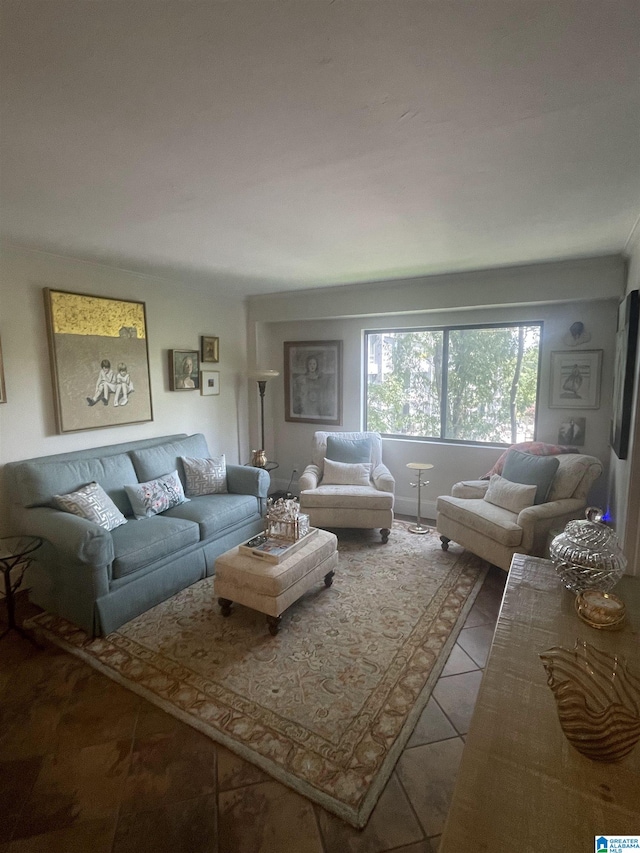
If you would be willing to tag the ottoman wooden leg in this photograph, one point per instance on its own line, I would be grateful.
(274, 623)
(445, 543)
(225, 606)
(385, 535)
(328, 578)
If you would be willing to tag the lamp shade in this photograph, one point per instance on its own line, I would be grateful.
(264, 375)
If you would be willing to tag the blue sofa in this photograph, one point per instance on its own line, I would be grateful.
(100, 579)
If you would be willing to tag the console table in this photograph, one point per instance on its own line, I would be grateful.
(521, 786)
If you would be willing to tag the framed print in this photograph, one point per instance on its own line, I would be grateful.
(572, 432)
(313, 381)
(99, 360)
(209, 348)
(575, 379)
(209, 382)
(625, 365)
(184, 370)
(3, 393)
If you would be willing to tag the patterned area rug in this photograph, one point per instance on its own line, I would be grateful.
(328, 704)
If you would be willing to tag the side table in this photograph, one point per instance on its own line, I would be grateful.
(418, 527)
(14, 552)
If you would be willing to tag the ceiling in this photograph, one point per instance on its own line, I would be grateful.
(270, 145)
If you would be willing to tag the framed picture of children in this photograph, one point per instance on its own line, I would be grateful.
(184, 370)
(99, 360)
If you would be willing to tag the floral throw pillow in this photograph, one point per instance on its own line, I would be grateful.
(205, 476)
(156, 496)
(94, 504)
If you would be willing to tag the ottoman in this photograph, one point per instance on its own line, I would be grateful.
(272, 587)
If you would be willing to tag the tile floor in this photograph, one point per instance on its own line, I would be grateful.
(85, 765)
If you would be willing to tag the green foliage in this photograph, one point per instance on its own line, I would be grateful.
(491, 381)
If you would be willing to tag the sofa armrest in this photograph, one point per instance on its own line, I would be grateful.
(247, 480)
(537, 521)
(75, 539)
(470, 489)
(383, 479)
(309, 478)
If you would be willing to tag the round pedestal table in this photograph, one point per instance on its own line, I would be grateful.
(418, 527)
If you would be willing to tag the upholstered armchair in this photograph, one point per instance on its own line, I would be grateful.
(517, 512)
(347, 484)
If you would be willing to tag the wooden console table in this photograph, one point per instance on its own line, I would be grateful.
(521, 785)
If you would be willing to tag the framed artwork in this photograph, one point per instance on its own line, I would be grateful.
(184, 370)
(3, 392)
(209, 348)
(572, 432)
(209, 382)
(625, 365)
(313, 381)
(99, 360)
(575, 379)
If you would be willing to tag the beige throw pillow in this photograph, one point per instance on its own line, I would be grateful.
(346, 473)
(512, 496)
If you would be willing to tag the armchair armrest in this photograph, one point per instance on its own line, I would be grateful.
(470, 489)
(383, 479)
(247, 480)
(309, 478)
(537, 521)
(75, 539)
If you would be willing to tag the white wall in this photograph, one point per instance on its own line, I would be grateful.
(177, 314)
(279, 318)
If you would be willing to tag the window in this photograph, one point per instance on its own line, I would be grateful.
(474, 384)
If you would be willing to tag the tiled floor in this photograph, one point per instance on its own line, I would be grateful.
(88, 767)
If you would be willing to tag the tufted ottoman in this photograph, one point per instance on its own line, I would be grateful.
(272, 587)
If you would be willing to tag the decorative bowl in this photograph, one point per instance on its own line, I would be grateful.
(597, 698)
(600, 609)
(587, 555)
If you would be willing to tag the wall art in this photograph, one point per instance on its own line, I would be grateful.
(313, 381)
(209, 382)
(209, 348)
(625, 365)
(575, 379)
(99, 360)
(572, 432)
(184, 370)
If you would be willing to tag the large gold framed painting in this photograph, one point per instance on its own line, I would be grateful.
(99, 360)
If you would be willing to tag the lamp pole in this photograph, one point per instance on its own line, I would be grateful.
(262, 384)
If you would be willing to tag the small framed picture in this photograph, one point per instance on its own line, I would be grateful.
(575, 379)
(184, 370)
(209, 382)
(572, 432)
(210, 348)
(3, 393)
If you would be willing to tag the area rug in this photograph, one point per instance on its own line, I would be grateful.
(327, 705)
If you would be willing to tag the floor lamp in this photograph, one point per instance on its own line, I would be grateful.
(259, 457)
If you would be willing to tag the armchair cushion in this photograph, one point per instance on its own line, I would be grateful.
(476, 514)
(512, 496)
(344, 474)
(531, 471)
(352, 450)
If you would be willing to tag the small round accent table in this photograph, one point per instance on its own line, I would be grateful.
(15, 551)
(418, 527)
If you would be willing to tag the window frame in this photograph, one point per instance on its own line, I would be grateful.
(446, 330)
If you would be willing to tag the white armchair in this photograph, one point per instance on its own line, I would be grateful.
(365, 497)
(496, 533)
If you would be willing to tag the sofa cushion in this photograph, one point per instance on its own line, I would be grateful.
(140, 543)
(485, 518)
(205, 476)
(531, 471)
(94, 504)
(352, 450)
(156, 496)
(346, 474)
(38, 481)
(512, 496)
(153, 462)
(214, 514)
